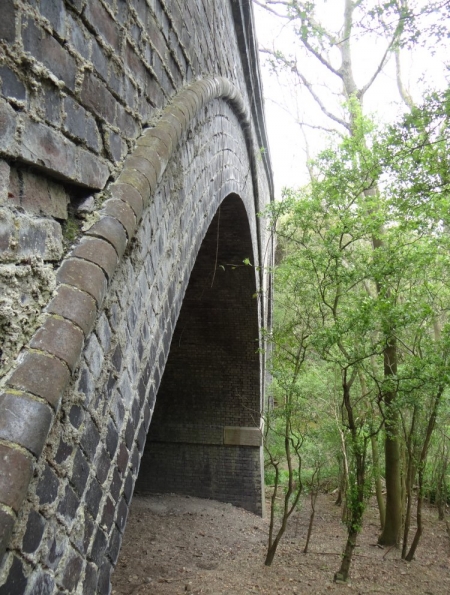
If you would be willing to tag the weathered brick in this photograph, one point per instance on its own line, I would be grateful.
(7, 520)
(76, 4)
(114, 546)
(104, 579)
(47, 148)
(16, 581)
(15, 475)
(76, 416)
(91, 170)
(108, 513)
(122, 458)
(47, 50)
(89, 528)
(80, 472)
(104, 332)
(75, 305)
(90, 579)
(122, 514)
(111, 230)
(116, 485)
(42, 583)
(99, 252)
(129, 434)
(75, 119)
(141, 438)
(96, 97)
(68, 506)
(47, 488)
(99, 60)
(98, 547)
(135, 459)
(55, 12)
(7, 126)
(52, 103)
(8, 21)
(94, 356)
(34, 532)
(39, 195)
(140, 174)
(12, 86)
(112, 439)
(63, 452)
(4, 181)
(102, 465)
(85, 276)
(61, 338)
(116, 147)
(128, 487)
(90, 438)
(24, 421)
(127, 123)
(36, 237)
(56, 548)
(100, 19)
(117, 408)
(93, 497)
(78, 35)
(123, 213)
(69, 577)
(41, 375)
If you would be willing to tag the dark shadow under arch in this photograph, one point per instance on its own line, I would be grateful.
(204, 438)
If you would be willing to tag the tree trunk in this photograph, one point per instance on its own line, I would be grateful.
(418, 534)
(311, 520)
(377, 480)
(393, 521)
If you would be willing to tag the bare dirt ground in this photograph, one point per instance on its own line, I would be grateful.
(175, 544)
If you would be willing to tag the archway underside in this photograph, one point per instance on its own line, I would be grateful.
(204, 439)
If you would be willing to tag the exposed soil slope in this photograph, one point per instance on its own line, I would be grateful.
(175, 544)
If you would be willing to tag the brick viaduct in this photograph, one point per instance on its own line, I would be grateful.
(131, 175)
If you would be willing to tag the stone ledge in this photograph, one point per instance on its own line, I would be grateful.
(237, 436)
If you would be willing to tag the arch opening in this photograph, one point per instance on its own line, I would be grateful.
(204, 439)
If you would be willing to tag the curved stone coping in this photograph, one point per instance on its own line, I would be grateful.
(32, 393)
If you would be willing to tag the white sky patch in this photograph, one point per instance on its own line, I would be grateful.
(287, 102)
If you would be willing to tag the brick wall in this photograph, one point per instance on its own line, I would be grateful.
(212, 376)
(128, 123)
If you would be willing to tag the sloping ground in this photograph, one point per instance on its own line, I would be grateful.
(175, 544)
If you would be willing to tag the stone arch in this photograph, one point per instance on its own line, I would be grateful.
(205, 434)
(88, 378)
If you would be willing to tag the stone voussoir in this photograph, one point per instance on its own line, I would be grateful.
(159, 132)
(15, 474)
(192, 99)
(99, 252)
(24, 421)
(176, 124)
(115, 207)
(75, 305)
(7, 520)
(180, 115)
(134, 175)
(131, 196)
(61, 338)
(84, 275)
(42, 375)
(141, 159)
(112, 231)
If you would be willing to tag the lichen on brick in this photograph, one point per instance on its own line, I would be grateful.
(24, 290)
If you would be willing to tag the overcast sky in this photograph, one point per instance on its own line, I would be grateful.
(284, 102)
